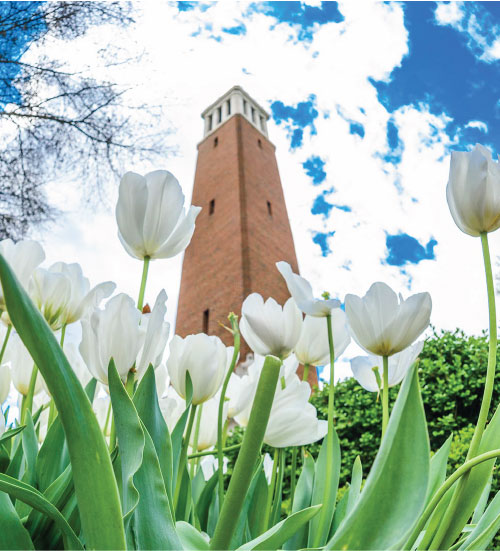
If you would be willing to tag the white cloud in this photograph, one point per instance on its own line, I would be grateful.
(480, 125)
(472, 20)
(186, 73)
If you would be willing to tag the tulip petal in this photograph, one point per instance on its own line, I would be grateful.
(130, 213)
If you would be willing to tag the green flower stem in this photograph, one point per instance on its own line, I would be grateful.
(63, 334)
(249, 452)
(129, 385)
(233, 320)
(385, 395)
(292, 475)
(213, 452)
(4, 344)
(487, 394)
(108, 416)
(140, 300)
(305, 374)
(195, 439)
(462, 471)
(183, 457)
(323, 514)
(271, 489)
(27, 403)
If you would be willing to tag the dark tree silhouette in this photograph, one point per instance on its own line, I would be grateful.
(54, 122)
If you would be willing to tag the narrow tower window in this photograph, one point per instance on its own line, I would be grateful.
(259, 142)
(269, 208)
(228, 107)
(209, 122)
(253, 115)
(216, 141)
(244, 107)
(211, 207)
(206, 315)
(262, 123)
(219, 114)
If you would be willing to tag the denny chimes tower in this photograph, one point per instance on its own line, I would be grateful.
(243, 228)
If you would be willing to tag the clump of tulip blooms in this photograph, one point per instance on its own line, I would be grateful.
(118, 440)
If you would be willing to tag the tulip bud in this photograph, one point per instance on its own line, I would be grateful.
(205, 359)
(473, 191)
(381, 324)
(268, 328)
(151, 218)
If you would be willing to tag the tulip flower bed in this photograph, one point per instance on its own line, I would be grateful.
(110, 448)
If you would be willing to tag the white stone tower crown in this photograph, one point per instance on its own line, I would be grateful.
(234, 102)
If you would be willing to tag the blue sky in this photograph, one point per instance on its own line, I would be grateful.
(366, 101)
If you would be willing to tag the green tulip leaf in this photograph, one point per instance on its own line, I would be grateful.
(301, 500)
(276, 536)
(355, 486)
(395, 490)
(8, 434)
(204, 501)
(146, 403)
(58, 494)
(483, 501)
(486, 528)
(31, 496)
(13, 535)
(147, 516)
(190, 537)
(257, 507)
(437, 472)
(317, 538)
(95, 484)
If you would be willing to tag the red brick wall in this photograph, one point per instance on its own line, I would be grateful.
(234, 250)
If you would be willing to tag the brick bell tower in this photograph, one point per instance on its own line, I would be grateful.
(243, 228)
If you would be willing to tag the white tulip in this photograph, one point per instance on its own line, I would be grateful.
(151, 218)
(268, 328)
(63, 294)
(473, 191)
(172, 406)
(23, 257)
(313, 347)
(399, 365)
(293, 420)
(114, 332)
(205, 357)
(381, 324)
(207, 434)
(21, 365)
(121, 332)
(302, 293)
